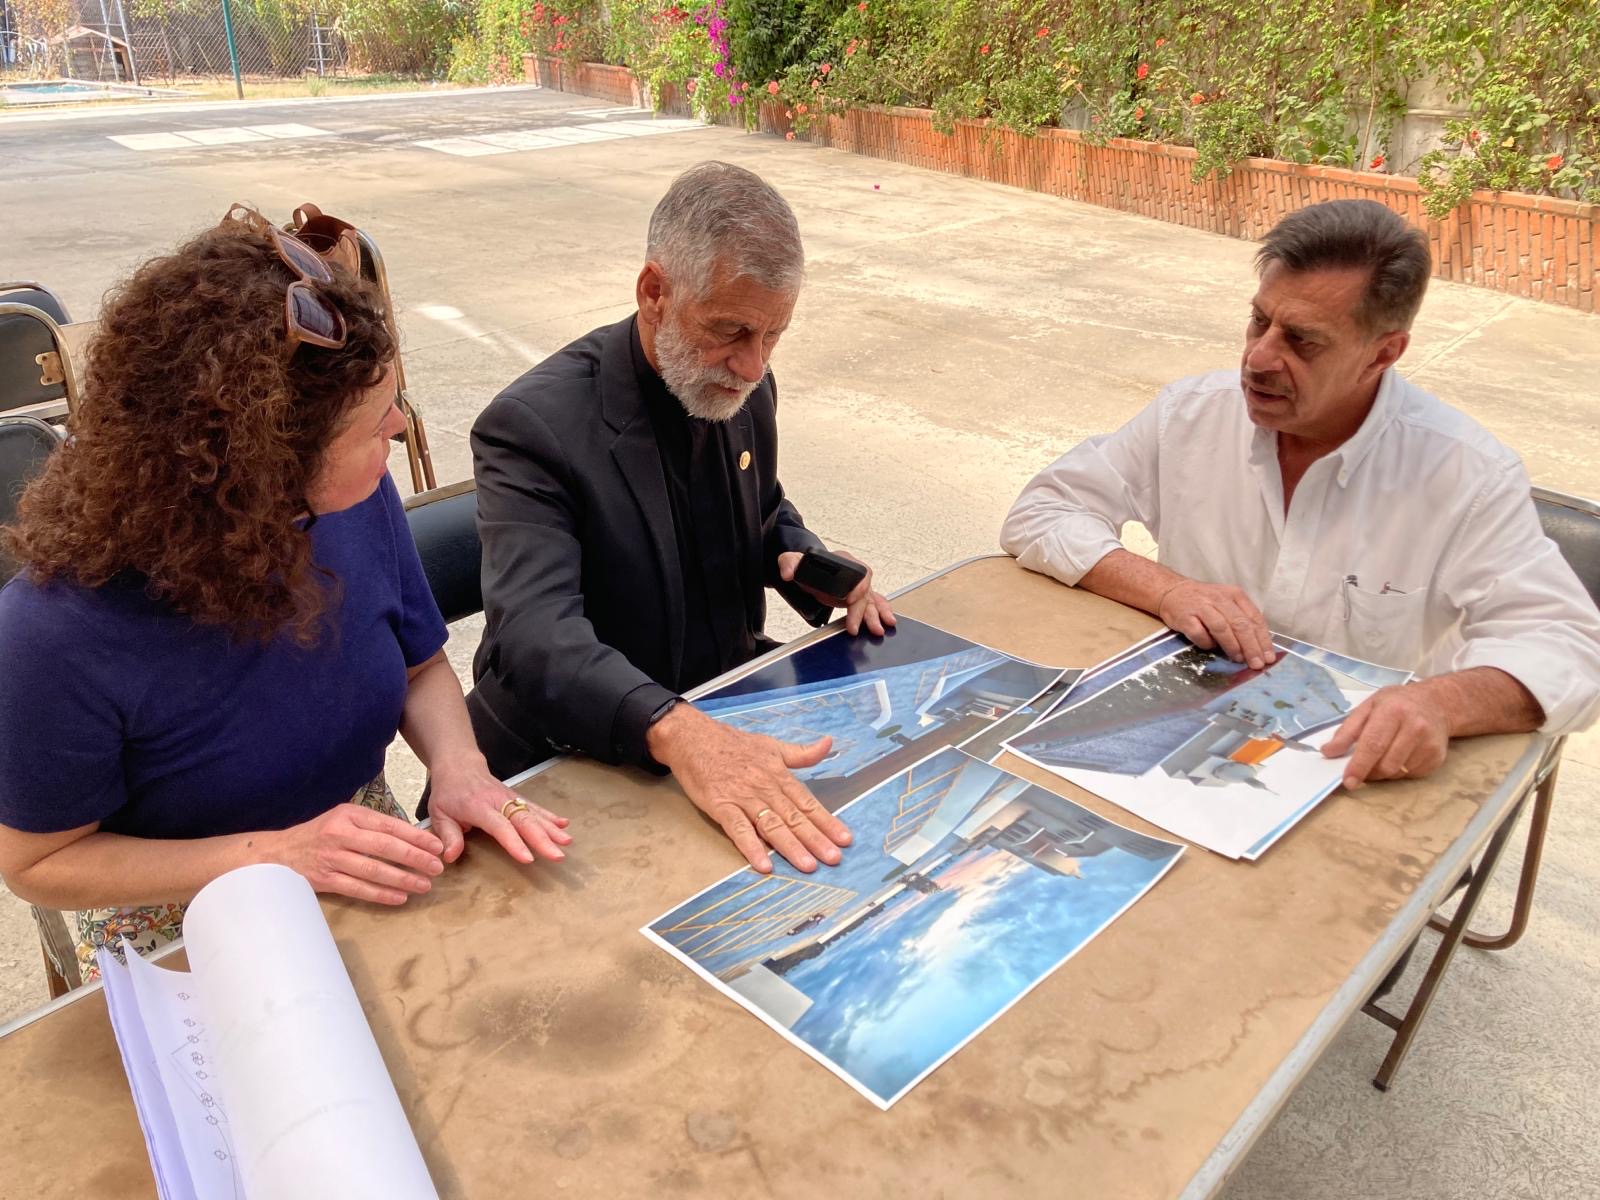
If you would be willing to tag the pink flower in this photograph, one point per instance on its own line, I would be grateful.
(800, 108)
(825, 68)
(1144, 69)
(772, 88)
(789, 113)
(850, 49)
(691, 85)
(789, 137)
(815, 84)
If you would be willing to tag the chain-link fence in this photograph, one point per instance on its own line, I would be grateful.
(155, 42)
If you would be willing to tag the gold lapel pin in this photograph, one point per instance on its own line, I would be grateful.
(744, 461)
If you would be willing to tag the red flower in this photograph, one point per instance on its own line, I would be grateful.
(1473, 136)
(825, 68)
(1198, 98)
(772, 88)
(1138, 114)
(983, 49)
(1144, 69)
(1555, 162)
(862, 6)
(1376, 164)
(850, 49)
(789, 137)
(745, 86)
(1160, 42)
(1044, 31)
(800, 108)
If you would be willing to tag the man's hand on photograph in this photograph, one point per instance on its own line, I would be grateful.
(864, 608)
(744, 782)
(1214, 616)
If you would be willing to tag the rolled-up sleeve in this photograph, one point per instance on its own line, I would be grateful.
(1523, 609)
(1071, 514)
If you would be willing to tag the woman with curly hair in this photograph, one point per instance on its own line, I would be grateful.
(220, 621)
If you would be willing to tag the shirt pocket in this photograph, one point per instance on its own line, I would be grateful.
(1386, 627)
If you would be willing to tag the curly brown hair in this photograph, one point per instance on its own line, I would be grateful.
(199, 437)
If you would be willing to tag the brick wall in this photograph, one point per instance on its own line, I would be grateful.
(616, 84)
(1533, 246)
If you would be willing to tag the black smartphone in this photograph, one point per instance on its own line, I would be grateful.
(829, 574)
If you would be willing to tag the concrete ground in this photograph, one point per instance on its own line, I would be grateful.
(953, 337)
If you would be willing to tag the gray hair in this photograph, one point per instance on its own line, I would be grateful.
(1358, 233)
(716, 215)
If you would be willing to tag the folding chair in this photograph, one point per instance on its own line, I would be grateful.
(36, 374)
(416, 435)
(1573, 524)
(444, 525)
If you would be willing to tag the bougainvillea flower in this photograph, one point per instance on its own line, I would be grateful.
(862, 6)
(825, 68)
(1138, 114)
(1160, 42)
(1144, 69)
(800, 108)
(719, 69)
(1198, 98)
(1555, 162)
(772, 88)
(1044, 31)
(983, 49)
(850, 49)
(1376, 164)
(789, 137)
(815, 84)
(789, 113)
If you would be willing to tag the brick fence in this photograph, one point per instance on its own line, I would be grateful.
(1533, 246)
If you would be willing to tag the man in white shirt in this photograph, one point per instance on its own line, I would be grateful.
(1317, 492)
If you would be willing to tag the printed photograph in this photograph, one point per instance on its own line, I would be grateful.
(886, 702)
(990, 743)
(965, 887)
(1209, 749)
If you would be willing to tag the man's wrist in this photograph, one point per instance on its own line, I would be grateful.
(661, 734)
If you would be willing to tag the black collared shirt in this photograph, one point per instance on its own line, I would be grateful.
(697, 466)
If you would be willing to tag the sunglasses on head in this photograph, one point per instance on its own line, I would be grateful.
(308, 315)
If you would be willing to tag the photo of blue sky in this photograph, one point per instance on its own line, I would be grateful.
(885, 701)
(965, 886)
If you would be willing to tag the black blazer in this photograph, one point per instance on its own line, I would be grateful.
(582, 587)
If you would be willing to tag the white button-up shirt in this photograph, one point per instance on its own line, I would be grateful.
(1415, 544)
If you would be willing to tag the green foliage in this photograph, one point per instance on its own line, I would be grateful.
(401, 36)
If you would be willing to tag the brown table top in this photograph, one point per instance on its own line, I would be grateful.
(541, 1044)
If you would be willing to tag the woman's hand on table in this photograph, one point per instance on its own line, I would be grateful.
(358, 852)
(466, 796)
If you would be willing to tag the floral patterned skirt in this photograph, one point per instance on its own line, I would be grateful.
(154, 926)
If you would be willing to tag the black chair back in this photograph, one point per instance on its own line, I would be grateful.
(444, 525)
(1573, 524)
(25, 442)
(23, 337)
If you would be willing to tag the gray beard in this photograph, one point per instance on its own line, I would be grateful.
(694, 384)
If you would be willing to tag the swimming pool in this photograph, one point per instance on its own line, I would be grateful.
(53, 88)
(65, 91)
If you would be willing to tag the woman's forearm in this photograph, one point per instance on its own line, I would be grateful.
(111, 870)
(434, 721)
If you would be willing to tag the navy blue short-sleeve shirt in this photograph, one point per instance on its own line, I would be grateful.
(115, 708)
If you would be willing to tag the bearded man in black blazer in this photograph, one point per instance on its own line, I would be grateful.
(632, 520)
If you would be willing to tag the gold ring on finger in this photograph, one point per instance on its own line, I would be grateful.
(762, 813)
(513, 806)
